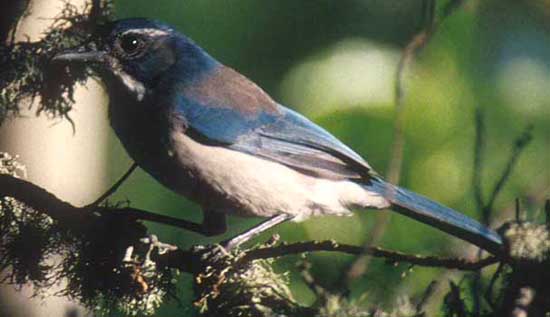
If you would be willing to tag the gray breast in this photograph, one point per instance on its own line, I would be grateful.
(144, 132)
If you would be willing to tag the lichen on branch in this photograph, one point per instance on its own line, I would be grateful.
(27, 73)
(85, 250)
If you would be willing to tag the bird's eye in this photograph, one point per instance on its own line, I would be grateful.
(131, 44)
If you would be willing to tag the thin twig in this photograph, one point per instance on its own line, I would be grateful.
(518, 210)
(489, 293)
(421, 306)
(139, 214)
(113, 188)
(309, 280)
(519, 145)
(390, 256)
(396, 154)
(522, 141)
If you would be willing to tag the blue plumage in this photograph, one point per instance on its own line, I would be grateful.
(223, 126)
(297, 142)
(283, 136)
(210, 134)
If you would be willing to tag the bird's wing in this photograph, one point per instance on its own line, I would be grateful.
(297, 142)
(245, 119)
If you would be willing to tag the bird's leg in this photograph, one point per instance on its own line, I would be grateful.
(254, 231)
(213, 223)
(113, 188)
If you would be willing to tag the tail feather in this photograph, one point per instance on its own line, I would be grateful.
(434, 214)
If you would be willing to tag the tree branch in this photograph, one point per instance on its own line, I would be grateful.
(41, 200)
(389, 255)
(71, 216)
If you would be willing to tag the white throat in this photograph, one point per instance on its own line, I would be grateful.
(133, 85)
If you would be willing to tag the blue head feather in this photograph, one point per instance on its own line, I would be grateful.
(168, 54)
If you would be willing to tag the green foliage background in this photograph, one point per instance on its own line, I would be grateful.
(490, 54)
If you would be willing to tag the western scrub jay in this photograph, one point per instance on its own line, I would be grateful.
(210, 134)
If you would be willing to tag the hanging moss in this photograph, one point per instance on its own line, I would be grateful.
(27, 74)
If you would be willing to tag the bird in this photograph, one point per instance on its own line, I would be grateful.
(210, 134)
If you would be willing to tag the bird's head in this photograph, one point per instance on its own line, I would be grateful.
(138, 54)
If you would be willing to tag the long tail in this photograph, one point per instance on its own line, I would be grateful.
(434, 214)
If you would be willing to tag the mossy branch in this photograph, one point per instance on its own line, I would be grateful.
(27, 73)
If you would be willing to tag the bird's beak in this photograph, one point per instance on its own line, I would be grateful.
(80, 55)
